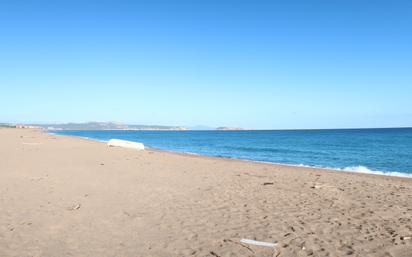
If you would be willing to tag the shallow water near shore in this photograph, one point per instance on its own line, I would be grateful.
(386, 151)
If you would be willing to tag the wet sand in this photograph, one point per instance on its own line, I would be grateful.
(65, 196)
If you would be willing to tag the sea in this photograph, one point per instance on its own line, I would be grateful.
(379, 151)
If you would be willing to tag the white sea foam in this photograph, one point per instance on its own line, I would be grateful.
(355, 169)
(363, 169)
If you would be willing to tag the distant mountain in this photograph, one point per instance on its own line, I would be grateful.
(94, 125)
(105, 126)
(228, 128)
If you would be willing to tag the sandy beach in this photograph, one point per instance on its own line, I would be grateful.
(66, 196)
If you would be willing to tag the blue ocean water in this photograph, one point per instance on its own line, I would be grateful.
(363, 150)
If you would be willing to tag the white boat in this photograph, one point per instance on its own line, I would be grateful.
(126, 144)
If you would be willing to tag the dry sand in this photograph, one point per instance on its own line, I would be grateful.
(64, 196)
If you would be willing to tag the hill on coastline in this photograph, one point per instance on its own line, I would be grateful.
(95, 125)
(105, 126)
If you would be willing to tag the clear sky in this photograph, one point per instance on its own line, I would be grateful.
(253, 64)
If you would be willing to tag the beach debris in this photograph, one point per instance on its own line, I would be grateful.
(126, 144)
(258, 243)
(406, 237)
(74, 207)
(316, 187)
(319, 186)
(245, 246)
(268, 183)
(325, 186)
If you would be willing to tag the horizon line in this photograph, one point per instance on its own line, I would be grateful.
(211, 128)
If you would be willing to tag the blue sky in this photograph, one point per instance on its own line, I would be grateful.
(253, 64)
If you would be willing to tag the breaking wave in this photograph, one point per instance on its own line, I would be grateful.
(363, 169)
